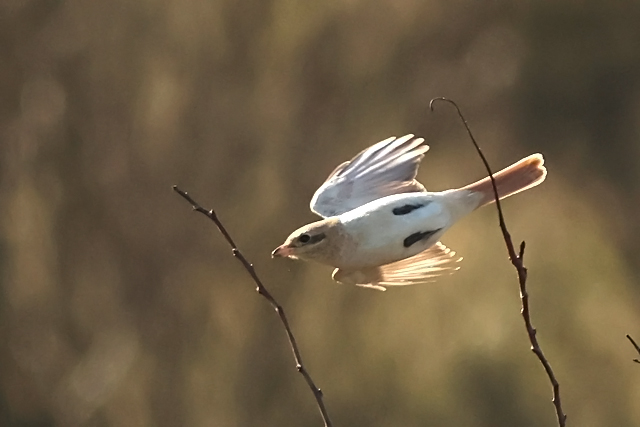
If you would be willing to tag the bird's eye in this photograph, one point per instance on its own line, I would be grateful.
(304, 238)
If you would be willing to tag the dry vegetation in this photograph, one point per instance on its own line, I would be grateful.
(116, 310)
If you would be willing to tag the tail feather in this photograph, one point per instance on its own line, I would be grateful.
(520, 176)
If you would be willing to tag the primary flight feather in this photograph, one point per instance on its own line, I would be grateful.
(381, 227)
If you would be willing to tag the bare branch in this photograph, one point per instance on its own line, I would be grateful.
(317, 393)
(635, 346)
(517, 261)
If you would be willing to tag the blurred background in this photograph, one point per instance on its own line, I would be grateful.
(120, 307)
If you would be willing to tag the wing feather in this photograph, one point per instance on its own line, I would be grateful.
(388, 167)
(421, 268)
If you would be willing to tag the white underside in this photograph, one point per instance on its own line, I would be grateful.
(380, 233)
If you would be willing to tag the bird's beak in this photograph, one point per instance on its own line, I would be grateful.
(281, 251)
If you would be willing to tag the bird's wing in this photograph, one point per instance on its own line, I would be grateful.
(421, 268)
(388, 167)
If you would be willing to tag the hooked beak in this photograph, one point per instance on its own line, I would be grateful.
(281, 251)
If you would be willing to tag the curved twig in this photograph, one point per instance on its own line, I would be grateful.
(211, 214)
(517, 261)
(634, 346)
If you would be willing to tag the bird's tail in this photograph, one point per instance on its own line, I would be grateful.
(518, 177)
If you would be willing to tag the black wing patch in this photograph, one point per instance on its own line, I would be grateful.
(420, 235)
(405, 209)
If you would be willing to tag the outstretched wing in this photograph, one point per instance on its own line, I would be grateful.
(388, 167)
(421, 268)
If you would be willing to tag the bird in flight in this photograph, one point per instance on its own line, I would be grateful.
(381, 227)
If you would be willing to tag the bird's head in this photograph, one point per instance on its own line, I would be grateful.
(318, 241)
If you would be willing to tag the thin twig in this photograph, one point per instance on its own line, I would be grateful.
(317, 393)
(517, 261)
(635, 346)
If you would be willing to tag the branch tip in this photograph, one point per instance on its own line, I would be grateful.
(634, 346)
(265, 293)
(517, 261)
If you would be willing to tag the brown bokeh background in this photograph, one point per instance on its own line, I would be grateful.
(120, 307)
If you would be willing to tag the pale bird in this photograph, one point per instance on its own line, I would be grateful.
(381, 227)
